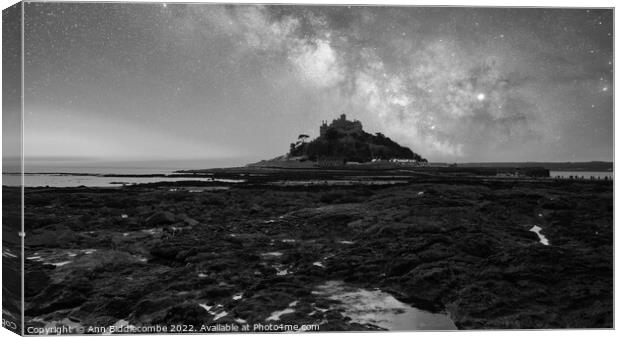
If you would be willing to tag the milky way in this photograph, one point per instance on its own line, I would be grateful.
(242, 81)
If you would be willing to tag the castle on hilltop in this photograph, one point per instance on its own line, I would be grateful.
(343, 125)
(344, 142)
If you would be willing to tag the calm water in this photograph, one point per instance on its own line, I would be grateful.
(381, 309)
(67, 175)
(584, 174)
(66, 180)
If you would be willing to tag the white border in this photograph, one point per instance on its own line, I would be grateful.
(468, 3)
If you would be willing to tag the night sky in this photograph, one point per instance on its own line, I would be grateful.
(122, 81)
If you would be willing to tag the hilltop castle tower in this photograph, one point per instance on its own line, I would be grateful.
(342, 124)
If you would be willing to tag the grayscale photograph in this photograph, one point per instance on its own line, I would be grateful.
(212, 167)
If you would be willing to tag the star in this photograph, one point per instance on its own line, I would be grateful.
(480, 97)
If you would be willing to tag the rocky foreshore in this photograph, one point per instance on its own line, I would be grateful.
(256, 252)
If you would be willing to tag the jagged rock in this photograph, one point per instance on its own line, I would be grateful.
(160, 218)
(147, 311)
(187, 313)
(59, 235)
(60, 296)
(37, 281)
(460, 247)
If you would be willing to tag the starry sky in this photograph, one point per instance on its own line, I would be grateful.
(239, 83)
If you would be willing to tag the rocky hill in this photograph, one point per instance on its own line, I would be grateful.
(346, 140)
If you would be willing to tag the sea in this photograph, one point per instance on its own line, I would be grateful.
(74, 180)
(93, 176)
(41, 175)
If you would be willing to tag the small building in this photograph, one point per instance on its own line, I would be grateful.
(408, 162)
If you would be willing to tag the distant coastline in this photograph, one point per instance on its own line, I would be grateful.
(122, 171)
(595, 166)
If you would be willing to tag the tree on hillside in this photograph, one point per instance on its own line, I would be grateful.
(303, 138)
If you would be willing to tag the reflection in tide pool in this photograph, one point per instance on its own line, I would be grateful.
(541, 237)
(381, 309)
